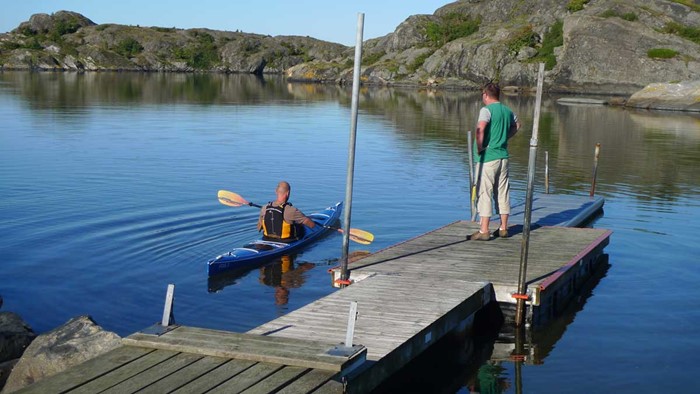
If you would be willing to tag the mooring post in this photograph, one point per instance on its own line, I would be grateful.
(546, 172)
(344, 274)
(472, 180)
(522, 282)
(168, 308)
(595, 168)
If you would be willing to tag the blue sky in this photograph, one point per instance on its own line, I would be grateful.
(328, 20)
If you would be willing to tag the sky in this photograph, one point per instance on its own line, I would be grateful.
(328, 20)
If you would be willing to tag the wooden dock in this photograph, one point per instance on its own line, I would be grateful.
(408, 297)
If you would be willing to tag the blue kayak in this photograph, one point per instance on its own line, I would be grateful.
(256, 252)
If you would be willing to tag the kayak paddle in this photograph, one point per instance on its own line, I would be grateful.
(236, 200)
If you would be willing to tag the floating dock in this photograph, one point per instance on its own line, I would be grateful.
(407, 297)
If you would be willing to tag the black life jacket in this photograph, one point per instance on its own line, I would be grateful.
(274, 226)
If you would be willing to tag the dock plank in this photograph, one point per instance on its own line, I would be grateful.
(308, 354)
(124, 372)
(277, 380)
(77, 375)
(152, 375)
(308, 382)
(247, 378)
(215, 377)
(185, 375)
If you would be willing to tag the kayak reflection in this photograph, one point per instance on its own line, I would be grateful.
(284, 275)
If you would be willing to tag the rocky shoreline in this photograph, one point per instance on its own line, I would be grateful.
(601, 47)
(26, 358)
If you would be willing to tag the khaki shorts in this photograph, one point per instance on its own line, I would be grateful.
(492, 181)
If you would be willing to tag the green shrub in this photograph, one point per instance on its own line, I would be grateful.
(576, 5)
(629, 16)
(451, 27)
(661, 53)
(418, 62)
(202, 54)
(524, 37)
(128, 47)
(552, 39)
(687, 32)
(372, 58)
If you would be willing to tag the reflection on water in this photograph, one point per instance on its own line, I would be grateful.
(109, 180)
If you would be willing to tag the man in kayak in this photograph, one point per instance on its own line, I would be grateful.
(280, 221)
(496, 124)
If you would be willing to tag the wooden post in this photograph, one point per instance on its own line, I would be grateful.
(344, 273)
(595, 168)
(522, 278)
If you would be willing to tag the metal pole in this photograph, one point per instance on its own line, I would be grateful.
(344, 274)
(595, 168)
(472, 192)
(546, 172)
(522, 285)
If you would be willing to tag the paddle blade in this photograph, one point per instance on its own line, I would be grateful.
(231, 199)
(360, 236)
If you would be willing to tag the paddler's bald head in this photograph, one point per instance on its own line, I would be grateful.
(283, 190)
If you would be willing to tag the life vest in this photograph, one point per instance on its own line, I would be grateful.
(274, 225)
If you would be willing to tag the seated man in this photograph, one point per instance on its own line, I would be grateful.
(280, 221)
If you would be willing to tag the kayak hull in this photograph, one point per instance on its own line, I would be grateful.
(259, 251)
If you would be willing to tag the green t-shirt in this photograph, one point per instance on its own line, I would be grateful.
(496, 133)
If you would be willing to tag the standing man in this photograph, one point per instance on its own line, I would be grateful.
(496, 124)
(279, 220)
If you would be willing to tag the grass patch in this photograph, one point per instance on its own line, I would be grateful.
(418, 62)
(576, 5)
(552, 39)
(688, 3)
(628, 16)
(661, 53)
(687, 32)
(451, 27)
(372, 58)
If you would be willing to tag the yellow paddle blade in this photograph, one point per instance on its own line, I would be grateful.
(474, 193)
(231, 199)
(360, 236)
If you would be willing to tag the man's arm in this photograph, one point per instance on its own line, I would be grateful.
(480, 127)
(309, 223)
(514, 127)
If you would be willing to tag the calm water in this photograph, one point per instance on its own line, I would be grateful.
(108, 185)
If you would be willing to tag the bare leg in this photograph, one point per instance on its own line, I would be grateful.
(484, 222)
(504, 222)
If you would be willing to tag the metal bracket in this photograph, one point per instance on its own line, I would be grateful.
(352, 317)
(158, 330)
(344, 351)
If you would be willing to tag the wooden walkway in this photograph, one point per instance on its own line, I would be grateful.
(408, 297)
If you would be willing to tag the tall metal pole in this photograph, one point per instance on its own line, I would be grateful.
(344, 273)
(546, 172)
(522, 280)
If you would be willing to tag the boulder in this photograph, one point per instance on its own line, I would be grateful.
(76, 341)
(15, 336)
(682, 96)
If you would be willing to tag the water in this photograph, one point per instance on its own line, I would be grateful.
(108, 184)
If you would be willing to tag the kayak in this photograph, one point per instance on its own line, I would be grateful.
(259, 251)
